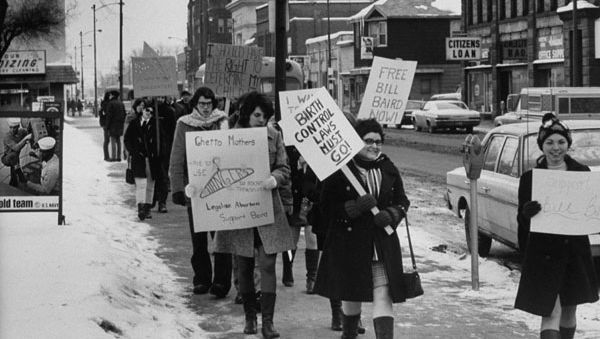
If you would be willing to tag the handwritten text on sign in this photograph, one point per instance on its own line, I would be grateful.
(233, 70)
(154, 76)
(570, 202)
(387, 90)
(322, 134)
(226, 169)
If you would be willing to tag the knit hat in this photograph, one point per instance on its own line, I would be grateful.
(46, 143)
(366, 126)
(12, 122)
(550, 125)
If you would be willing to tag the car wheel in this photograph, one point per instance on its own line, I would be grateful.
(415, 126)
(430, 128)
(470, 129)
(398, 126)
(484, 243)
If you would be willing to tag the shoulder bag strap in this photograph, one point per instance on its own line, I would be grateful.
(412, 255)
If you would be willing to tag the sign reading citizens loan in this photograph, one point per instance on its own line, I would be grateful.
(387, 90)
(322, 134)
(226, 169)
(232, 70)
(463, 48)
(154, 76)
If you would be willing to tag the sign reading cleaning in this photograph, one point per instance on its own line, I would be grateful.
(23, 62)
(463, 48)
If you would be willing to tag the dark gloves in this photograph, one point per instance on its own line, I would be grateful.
(354, 208)
(179, 198)
(531, 208)
(383, 219)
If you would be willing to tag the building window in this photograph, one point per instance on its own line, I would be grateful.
(221, 26)
(426, 86)
(525, 8)
(540, 6)
(513, 8)
(470, 12)
(553, 5)
(490, 12)
(479, 11)
(378, 31)
(502, 9)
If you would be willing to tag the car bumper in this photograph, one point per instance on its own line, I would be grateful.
(456, 123)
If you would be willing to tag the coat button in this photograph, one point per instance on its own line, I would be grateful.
(349, 229)
(348, 188)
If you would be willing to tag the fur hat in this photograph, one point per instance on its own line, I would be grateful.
(550, 125)
(46, 143)
(367, 126)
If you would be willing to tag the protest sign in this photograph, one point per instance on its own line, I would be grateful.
(570, 202)
(232, 70)
(290, 101)
(322, 134)
(387, 90)
(226, 169)
(154, 76)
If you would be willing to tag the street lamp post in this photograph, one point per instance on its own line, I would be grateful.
(120, 3)
(95, 70)
(81, 34)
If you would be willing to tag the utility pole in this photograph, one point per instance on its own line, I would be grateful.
(280, 52)
(121, 50)
(75, 58)
(575, 50)
(81, 53)
(95, 70)
(328, 47)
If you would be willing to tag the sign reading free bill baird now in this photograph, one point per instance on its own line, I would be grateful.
(321, 133)
(226, 169)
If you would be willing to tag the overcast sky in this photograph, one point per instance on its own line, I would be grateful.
(152, 21)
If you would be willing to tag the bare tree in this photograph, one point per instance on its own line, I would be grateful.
(31, 19)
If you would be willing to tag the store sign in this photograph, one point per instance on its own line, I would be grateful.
(514, 49)
(463, 48)
(551, 47)
(23, 62)
(366, 47)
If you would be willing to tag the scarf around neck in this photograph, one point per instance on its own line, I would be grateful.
(198, 120)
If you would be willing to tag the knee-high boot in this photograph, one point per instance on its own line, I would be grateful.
(312, 262)
(147, 208)
(336, 314)
(250, 313)
(350, 326)
(141, 211)
(567, 332)
(287, 278)
(550, 334)
(267, 306)
(384, 327)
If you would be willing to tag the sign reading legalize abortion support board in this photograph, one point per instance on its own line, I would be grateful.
(322, 134)
(570, 202)
(226, 169)
(387, 90)
(154, 76)
(232, 70)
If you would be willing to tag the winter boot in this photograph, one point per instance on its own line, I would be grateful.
(567, 332)
(350, 326)
(267, 306)
(312, 262)
(141, 212)
(147, 208)
(288, 275)
(250, 311)
(550, 334)
(384, 327)
(360, 328)
(336, 314)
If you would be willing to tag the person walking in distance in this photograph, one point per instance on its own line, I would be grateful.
(361, 262)
(115, 122)
(558, 271)
(204, 117)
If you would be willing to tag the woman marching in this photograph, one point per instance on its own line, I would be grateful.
(140, 142)
(360, 261)
(558, 272)
(268, 240)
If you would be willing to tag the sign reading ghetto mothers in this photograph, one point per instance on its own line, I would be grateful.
(570, 202)
(232, 70)
(322, 134)
(154, 76)
(387, 90)
(226, 169)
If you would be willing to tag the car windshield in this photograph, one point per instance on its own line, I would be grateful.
(413, 104)
(585, 148)
(450, 105)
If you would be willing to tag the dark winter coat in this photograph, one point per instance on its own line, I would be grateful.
(345, 269)
(140, 142)
(115, 117)
(554, 264)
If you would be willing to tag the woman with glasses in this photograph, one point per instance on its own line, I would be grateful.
(361, 262)
(558, 271)
(204, 117)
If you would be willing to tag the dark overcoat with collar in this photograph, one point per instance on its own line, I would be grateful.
(554, 264)
(140, 142)
(345, 269)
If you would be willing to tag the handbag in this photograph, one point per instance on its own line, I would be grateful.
(411, 280)
(129, 173)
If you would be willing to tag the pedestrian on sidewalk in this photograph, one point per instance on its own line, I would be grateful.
(166, 117)
(102, 121)
(268, 239)
(140, 141)
(115, 122)
(361, 262)
(558, 270)
(204, 117)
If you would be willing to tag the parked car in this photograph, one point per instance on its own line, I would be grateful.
(438, 114)
(411, 106)
(509, 151)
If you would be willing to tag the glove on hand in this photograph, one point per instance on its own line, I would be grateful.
(269, 183)
(531, 208)
(179, 198)
(289, 209)
(365, 202)
(383, 219)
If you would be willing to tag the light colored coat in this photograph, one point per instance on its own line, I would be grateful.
(276, 237)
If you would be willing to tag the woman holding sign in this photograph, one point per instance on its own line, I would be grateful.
(360, 261)
(558, 272)
(268, 240)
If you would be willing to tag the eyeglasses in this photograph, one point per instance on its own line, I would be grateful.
(371, 142)
(204, 103)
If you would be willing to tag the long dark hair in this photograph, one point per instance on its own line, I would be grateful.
(204, 92)
(251, 101)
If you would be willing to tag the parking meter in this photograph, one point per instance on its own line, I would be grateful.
(473, 162)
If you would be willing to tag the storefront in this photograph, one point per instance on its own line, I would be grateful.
(549, 70)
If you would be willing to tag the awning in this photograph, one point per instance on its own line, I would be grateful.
(55, 74)
(547, 61)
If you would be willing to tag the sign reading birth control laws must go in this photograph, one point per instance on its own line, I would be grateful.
(322, 134)
(154, 76)
(232, 70)
(570, 202)
(226, 169)
(387, 90)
